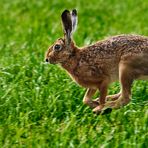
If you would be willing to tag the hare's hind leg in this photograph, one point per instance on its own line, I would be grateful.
(88, 98)
(126, 77)
(113, 97)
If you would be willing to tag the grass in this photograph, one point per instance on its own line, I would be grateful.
(40, 106)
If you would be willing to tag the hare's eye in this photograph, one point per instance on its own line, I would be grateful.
(57, 47)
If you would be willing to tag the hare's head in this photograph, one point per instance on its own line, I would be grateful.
(64, 47)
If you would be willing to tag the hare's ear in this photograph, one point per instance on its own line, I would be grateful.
(67, 25)
(74, 19)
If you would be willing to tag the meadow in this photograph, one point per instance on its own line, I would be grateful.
(40, 106)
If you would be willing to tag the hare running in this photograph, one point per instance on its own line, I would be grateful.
(123, 58)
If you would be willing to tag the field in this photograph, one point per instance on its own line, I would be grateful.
(40, 106)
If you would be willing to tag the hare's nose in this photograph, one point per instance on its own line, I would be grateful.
(46, 60)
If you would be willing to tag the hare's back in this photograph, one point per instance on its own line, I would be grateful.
(125, 44)
(129, 49)
(135, 54)
(118, 46)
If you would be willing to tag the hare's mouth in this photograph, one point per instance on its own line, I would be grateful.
(50, 61)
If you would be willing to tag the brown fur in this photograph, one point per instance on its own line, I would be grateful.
(123, 58)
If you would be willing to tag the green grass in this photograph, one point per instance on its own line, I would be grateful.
(40, 106)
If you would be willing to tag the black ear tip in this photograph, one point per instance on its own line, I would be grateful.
(74, 12)
(65, 11)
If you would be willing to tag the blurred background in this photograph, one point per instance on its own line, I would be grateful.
(40, 106)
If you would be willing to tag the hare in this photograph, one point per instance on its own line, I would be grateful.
(122, 57)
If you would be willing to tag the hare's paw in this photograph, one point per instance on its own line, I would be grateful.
(98, 109)
(91, 104)
(113, 97)
(97, 100)
(94, 104)
(102, 110)
(117, 103)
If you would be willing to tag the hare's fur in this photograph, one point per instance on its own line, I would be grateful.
(123, 58)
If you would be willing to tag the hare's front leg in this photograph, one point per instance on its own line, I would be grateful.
(88, 98)
(103, 93)
(126, 77)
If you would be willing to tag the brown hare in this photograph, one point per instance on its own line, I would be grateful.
(122, 57)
